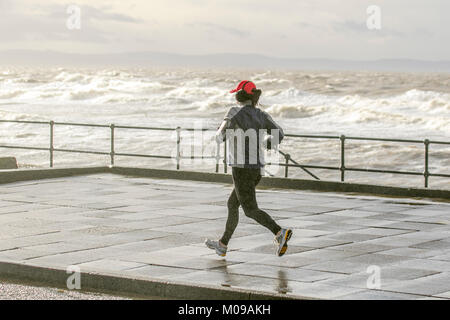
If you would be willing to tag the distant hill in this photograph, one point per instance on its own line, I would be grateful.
(147, 59)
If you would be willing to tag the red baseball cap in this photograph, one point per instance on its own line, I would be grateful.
(246, 85)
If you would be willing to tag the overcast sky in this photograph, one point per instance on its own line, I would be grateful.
(417, 29)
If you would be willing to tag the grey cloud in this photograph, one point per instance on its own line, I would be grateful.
(5, 5)
(51, 25)
(360, 27)
(216, 27)
(92, 13)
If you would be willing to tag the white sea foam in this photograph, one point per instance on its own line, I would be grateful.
(368, 104)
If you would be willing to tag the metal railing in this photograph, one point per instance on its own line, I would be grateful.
(289, 162)
(343, 169)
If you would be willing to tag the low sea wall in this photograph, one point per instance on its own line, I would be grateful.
(9, 176)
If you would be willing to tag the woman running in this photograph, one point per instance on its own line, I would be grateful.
(248, 130)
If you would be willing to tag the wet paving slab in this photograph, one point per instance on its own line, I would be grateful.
(155, 229)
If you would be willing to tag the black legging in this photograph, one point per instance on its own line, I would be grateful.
(245, 181)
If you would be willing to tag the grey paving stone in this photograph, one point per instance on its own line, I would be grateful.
(369, 222)
(418, 226)
(382, 231)
(427, 212)
(157, 222)
(352, 236)
(234, 255)
(155, 228)
(376, 259)
(343, 267)
(272, 249)
(21, 254)
(227, 280)
(109, 265)
(259, 270)
(391, 216)
(389, 276)
(425, 264)
(359, 248)
(380, 207)
(397, 241)
(445, 295)
(288, 260)
(444, 256)
(408, 252)
(379, 295)
(297, 223)
(301, 234)
(61, 247)
(438, 220)
(199, 263)
(323, 218)
(335, 227)
(321, 291)
(431, 285)
(354, 213)
(398, 273)
(194, 227)
(312, 209)
(319, 255)
(157, 272)
(318, 242)
(436, 244)
(103, 230)
(66, 259)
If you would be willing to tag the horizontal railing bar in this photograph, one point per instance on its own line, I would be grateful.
(144, 128)
(310, 136)
(198, 129)
(357, 169)
(303, 166)
(193, 129)
(384, 139)
(24, 147)
(26, 121)
(81, 124)
(443, 175)
(315, 167)
(386, 171)
(439, 142)
(141, 155)
(81, 151)
(194, 157)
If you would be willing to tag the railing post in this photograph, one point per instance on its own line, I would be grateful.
(287, 157)
(426, 172)
(52, 124)
(178, 147)
(112, 126)
(225, 157)
(217, 156)
(342, 168)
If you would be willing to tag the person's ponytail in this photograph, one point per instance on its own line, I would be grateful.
(255, 96)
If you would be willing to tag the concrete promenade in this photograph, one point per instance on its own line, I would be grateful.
(153, 230)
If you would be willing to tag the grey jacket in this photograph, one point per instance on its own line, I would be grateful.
(248, 131)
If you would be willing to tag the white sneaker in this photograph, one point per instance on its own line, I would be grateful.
(215, 245)
(282, 240)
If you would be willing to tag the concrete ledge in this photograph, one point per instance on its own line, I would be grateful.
(287, 183)
(8, 176)
(92, 281)
(330, 186)
(173, 174)
(8, 163)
